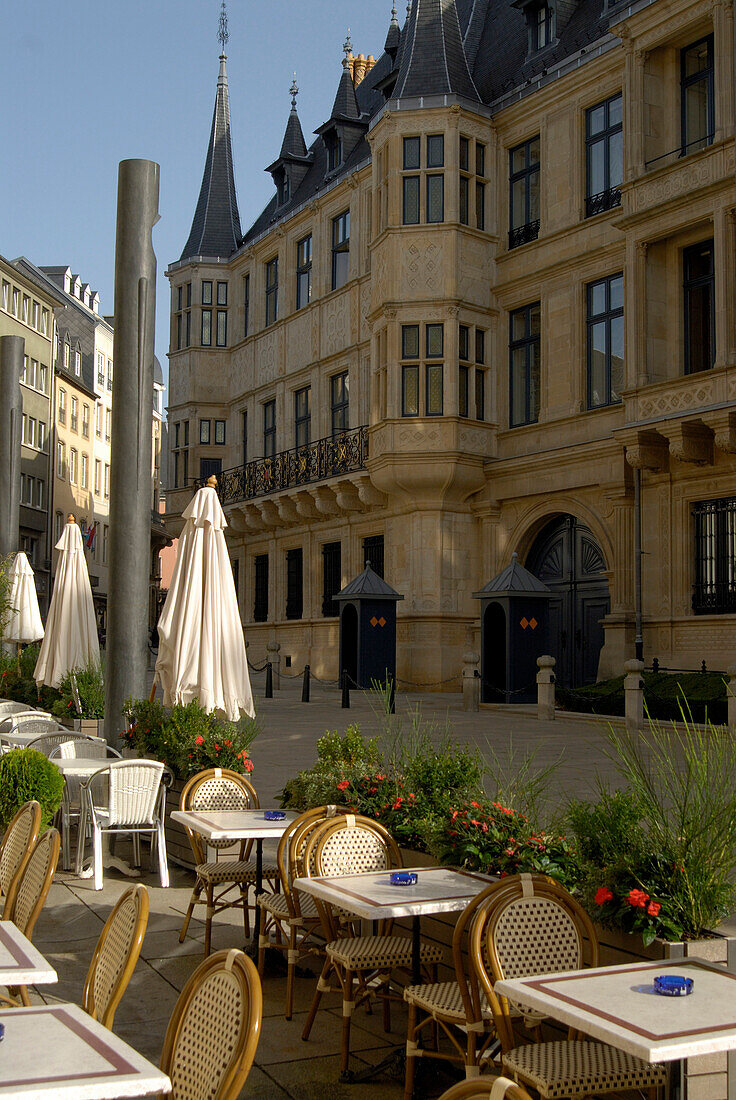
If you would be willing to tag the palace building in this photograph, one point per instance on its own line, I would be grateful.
(490, 309)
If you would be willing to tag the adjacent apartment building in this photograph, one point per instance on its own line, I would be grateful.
(489, 309)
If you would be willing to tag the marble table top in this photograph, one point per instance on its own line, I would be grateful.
(20, 962)
(233, 824)
(618, 1005)
(370, 894)
(58, 1052)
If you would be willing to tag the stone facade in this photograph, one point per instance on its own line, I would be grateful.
(450, 485)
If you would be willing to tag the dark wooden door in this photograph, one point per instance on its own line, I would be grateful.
(567, 557)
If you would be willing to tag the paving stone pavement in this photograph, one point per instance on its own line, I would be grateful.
(285, 1068)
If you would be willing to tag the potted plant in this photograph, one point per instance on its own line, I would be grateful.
(81, 702)
(24, 775)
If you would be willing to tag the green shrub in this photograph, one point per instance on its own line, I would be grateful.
(188, 739)
(91, 690)
(26, 774)
(664, 696)
(20, 685)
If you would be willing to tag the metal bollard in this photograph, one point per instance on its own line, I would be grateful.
(305, 685)
(345, 690)
(269, 681)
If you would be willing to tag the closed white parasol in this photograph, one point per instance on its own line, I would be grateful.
(201, 645)
(71, 628)
(24, 621)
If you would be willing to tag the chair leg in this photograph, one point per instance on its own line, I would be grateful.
(210, 891)
(290, 972)
(410, 1058)
(25, 999)
(192, 902)
(321, 985)
(66, 859)
(137, 849)
(81, 838)
(97, 852)
(163, 863)
(348, 1006)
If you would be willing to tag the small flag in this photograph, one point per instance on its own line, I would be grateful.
(91, 535)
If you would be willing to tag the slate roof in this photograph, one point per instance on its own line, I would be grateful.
(368, 586)
(346, 104)
(513, 580)
(433, 59)
(293, 144)
(216, 227)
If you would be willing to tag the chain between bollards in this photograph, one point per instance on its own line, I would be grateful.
(269, 681)
(305, 685)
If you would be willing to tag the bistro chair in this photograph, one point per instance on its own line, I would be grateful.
(116, 955)
(34, 883)
(214, 1029)
(536, 927)
(17, 845)
(28, 723)
(47, 742)
(86, 748)
(289, 915)
(9, 707)
(135, 804)
(221, 789)
(497, 1088)
(362, 965)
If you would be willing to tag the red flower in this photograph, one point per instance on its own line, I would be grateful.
(602, 895)
(398, 802)
(637, 898)
(653, 908)
(199, 740)
(344, 785)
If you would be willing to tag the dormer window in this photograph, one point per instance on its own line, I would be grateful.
(283, 187)
(334, 151)
(543, 27)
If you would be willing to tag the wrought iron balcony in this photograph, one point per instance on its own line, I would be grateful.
(340, 454)
(523, 234)
(604, 200)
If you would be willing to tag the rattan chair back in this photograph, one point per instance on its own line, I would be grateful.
(497, 1088)
(216, 789)
(291, 848)
(86, 748)
(47, 742)
(214, 1029)
(532, 926)
(134, 790)
(17, 845)
(34, 883)
(116, 955)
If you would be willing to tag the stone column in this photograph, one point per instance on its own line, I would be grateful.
(546, 687)
(471, 682)
(634, 695)
(11, 419)
(130, 493)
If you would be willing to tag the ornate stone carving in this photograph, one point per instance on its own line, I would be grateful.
(368, 494)
(287, 510)
(647, 453)
(335, 324)
(690, 443)
(422, 266)
(325, 502)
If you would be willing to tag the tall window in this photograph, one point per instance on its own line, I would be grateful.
(411, 183)
(60, 460)
(206, 328)
(604, 156)
(73, 415)
(524, 193)
(373, 553)
(108, 425)
(304, 272)
(221, 317)
(73, 466)
(246, 304)
(543, 26)
(331, 577)
(467, 192)
(98, 470)
(98, 421)
(340, 402)
(244, 434)
(464, 213)
(206, 292)
(699, 295)
(260, 589)
(714, 591)
(433, 369)
(303, 417)
(340, 249)
(334, 151)
(294, 587)
(107, 481)
(109, 373)
(272, 290)
(418, 355)
(697, 95)
(269, 429)
(524, 364)
(62, 406)
(480, 185)
(83, 472)
(605, 341)
(180, 452)
(435, 180)
(100, 369)
(410, 370)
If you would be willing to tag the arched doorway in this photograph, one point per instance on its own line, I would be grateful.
(568, 558)
(494, 654)
(349, 642)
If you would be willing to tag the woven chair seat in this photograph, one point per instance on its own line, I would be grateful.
(277, 906)
(233, 870)
(443, 999)
(369, 952)
(581, 1068)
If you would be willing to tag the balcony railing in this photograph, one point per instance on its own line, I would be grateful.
(604, 200)
(340, 454)
(523, 234)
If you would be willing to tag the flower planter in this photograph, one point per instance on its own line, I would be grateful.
(178, 847)
(90, 727)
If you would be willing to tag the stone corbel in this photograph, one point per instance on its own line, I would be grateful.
(690, 443)
(253, 522)
(325, 502)
(305, 507)
(347, 497)
(724, 432)
(269, 513)
(368, 494)
(287, 510)
(647, 452)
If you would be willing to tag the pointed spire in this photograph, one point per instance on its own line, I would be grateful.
(393, 38)
(346, 104)
(216, 226)
(433, 60)
(293, 144)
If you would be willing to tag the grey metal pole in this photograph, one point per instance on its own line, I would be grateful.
(12, 349)
(639, 638)
(132, 418)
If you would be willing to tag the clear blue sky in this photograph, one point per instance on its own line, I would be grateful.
(84, 86)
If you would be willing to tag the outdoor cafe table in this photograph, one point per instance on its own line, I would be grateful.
(58, 1052)
(370, 895)
(20, 962)
(236, 825)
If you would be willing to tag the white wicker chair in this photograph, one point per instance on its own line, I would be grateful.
(10, 706)
(9, 718)
(74, 747)
(136, 804)
(36, 724)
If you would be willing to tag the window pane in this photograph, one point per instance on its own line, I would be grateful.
(518, 158)
(616, 160)
(220, 431)
(699, 351)
(480, 205)
(464, 154)
(480, 346)
(480, 394)
(207, 293)
(617, 358)
(435, 198)
(464, 346)
(518, 203)
(614, 111)
(411, 200)
(221, 328)
(435, 334)
(464, 199)
(410, 341)
(597, 119)
(518, 386)
(616, 290)
(597, 168)
(340, 266)
(411, 152)
(435, 151)
(534, 147)
(696, 58)
(535, 313)
(222, 294)
(206, 327)
(598, 346)
(696, 112)
(463, 396)
(480, 159)
(534, 380)
(534, 197)
(434, 389)
(204, 431)
(410, 391)
(518, 324)
(597, 298)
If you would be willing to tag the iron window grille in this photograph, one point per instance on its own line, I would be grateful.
(603, 156)
(699, 304)
(605, 302)
(331, 578)
(524, 168)
(260, 589)
(294, 588)
(714, 591)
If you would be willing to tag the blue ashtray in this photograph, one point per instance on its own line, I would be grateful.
(274, 815)
(673, 985)
(403, 878)
(2, 1032)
